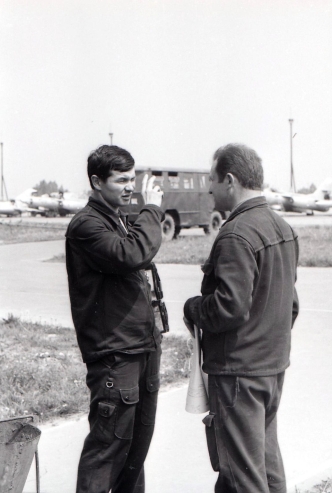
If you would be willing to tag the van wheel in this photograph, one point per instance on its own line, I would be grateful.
(168, 228)
(215, 223)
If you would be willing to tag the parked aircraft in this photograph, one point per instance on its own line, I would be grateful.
(53, 204)
(17, 206)
(7, 208)
(69, 205)
(320, 200)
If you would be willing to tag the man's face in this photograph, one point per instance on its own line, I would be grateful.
(219, 190)
(118, 188)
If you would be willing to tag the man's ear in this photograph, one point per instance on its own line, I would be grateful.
(96, 182)
(230, 179)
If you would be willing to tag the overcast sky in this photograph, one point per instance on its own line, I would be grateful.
(173, 80)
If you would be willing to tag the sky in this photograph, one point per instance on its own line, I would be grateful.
(173, 80)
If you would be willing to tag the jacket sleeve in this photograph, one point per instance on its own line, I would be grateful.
(228, 307)
(107, 252)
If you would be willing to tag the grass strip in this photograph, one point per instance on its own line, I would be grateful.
(19, 233)
(42, 372)
(315, 249)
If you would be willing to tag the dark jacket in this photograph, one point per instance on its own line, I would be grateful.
(109, 293)
(249, 302)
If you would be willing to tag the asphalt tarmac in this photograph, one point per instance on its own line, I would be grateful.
(178, 460)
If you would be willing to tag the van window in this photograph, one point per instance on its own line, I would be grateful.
(188, 183)
(159, 178)
(174, 180)
(202, 182)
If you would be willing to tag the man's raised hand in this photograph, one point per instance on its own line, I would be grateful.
(151, 194)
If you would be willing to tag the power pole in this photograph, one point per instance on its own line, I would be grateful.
(111, 137)
(292, 177)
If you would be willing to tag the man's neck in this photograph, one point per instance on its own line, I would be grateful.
(98, 196)
(246, 194)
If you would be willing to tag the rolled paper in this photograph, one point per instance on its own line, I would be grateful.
(197, 397)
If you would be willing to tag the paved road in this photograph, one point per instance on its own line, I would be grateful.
(38, 290)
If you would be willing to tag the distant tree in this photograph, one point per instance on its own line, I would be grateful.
(307, 190)
(48, 187)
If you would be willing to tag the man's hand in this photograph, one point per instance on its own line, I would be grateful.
(151, 194)
(190, 326)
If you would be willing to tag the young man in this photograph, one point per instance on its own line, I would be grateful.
(114, 322)
(246, 312)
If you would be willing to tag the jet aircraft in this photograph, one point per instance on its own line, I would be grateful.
(70, 205)
(7, 208)
(53, 204)
(17, 206)
(320, 200)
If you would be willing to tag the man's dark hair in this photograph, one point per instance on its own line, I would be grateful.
(106, 159)
(242, 162)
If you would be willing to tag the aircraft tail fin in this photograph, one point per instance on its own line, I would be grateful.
(324, 191)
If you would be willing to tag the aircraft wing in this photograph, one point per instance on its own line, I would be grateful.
(287, 195)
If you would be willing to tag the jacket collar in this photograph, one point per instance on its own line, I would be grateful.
(246, 205)
(107, 211)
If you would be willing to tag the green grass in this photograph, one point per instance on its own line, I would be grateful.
(185, 250)
(19, 233)
(315, 241)
(42, 372)
(315, 249)
(315, 246)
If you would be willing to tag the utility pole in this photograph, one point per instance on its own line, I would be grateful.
(292, 177)
(111, 137)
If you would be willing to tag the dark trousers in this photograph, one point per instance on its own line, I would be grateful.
(241, 432)
(124, 391)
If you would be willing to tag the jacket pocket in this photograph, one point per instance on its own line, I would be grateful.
(116, 419)
(149, 403)
(104, 427)
(125, 415)
(211, 440)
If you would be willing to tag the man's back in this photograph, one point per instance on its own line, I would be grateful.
(246, 311)
(251, 271)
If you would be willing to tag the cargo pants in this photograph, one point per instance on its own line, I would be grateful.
(124, 391)
(241, 432)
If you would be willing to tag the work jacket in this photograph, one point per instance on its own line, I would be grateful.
(249, 302)
(109, 292)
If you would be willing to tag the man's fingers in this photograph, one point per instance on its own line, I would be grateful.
(151, 194)
(144, 182)
(149, 186)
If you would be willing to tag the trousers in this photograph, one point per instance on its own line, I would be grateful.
(124, 391)
(241, 432)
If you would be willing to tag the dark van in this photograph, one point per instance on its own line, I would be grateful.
(186, 200)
